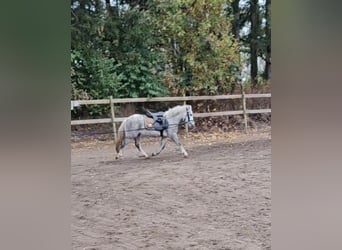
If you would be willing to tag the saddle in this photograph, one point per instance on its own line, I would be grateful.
(159, 121)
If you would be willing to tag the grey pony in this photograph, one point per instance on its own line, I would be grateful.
(134, 128)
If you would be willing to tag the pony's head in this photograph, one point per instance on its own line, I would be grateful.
(189, 119)
(181, 113)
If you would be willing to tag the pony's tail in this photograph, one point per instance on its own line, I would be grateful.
(120, 138)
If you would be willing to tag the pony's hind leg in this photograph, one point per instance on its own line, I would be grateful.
(174, 138)
(122, 146)
(138, 146)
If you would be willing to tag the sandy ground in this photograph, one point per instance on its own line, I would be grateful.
(217, 198)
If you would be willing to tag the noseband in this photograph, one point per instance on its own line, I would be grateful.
(188, 115)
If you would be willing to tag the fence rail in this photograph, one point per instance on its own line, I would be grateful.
(114, 119)
(169, 99)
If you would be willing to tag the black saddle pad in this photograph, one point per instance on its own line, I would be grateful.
(159, 121)
(160, 124)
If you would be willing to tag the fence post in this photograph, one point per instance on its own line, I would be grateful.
(244, 108)
(113, 117)
(186, 125)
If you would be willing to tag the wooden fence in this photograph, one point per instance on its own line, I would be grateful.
(115, 120)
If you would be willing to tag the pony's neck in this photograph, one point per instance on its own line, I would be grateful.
(176, 114)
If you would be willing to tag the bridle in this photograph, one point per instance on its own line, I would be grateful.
(188, 115)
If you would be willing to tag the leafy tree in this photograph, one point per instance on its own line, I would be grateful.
(112, 53)
(255, 16)
(198, 45)
(134, 48)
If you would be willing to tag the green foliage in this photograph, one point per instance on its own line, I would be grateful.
(112, 54)
(257, 36)
(198, 45)
(146, 48)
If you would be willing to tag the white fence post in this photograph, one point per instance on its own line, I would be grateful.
(113, 117)
(244, 108)
(186, 125)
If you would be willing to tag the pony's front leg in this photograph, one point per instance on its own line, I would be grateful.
(174, 138)
(162, 146)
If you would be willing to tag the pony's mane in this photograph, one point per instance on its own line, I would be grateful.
(174, 111)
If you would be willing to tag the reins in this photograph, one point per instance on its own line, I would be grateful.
(152, 129)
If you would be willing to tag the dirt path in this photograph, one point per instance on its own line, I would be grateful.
(218, 198)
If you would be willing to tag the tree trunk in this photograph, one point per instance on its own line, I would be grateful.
(108, 7)
(236, 32)
(254, 41)
(236, 20)
(267, 71)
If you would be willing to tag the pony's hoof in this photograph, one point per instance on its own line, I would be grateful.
(118, 156)
(153, 154)
(185, 155)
